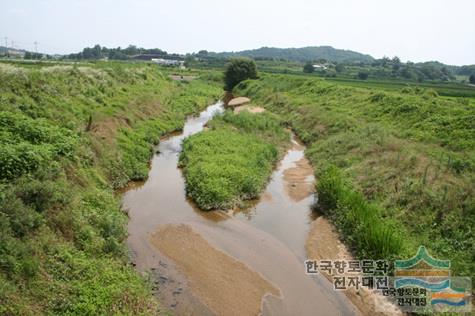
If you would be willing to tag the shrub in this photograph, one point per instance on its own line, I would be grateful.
(237, 70)
(308, 68)
(362, 75)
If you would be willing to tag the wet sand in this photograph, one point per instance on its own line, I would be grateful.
(225, 285)
(299, 184)
(323, 244)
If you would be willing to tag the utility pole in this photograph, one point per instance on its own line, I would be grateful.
(6, 46)
(36, 47)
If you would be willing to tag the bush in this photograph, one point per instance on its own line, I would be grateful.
(27, 144)
(308, 68)
(362, 75)
(237, 70)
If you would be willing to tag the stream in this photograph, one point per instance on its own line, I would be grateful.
(236, 262)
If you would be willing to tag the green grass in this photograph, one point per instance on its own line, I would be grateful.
(233, 160)
(69, 135)
(407, 157)
(360, 222)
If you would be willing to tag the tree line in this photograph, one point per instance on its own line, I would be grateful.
(102, 52)
(392, 68)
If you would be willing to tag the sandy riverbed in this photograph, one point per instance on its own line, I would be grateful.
(225, 285)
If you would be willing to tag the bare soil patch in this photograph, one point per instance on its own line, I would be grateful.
(251, 109)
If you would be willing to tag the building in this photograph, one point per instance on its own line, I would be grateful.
(319, 67)
(169, 62)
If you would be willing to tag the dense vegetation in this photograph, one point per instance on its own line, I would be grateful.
(387, 69)
(69, 135)
(233, 160)
(237, 70)
(130, 52)
(395, 169)
(300, 54)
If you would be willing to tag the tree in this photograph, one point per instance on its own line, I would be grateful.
(396, 63)
(471, 79)
(308, 68)
(362, 75)
(237, 70)
(340, 68)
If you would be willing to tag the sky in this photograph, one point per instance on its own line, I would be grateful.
(415, 30)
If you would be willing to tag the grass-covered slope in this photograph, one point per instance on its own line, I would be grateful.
(69, 135)
(394, 169)
(233, 160)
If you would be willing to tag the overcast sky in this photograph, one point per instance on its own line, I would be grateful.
(416, 30)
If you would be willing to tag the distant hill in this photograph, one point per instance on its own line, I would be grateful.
(301, 54)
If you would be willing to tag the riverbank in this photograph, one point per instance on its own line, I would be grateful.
(406, 158)
(324, 243)
(70, 135)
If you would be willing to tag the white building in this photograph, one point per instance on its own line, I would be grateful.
(168, 62)
(319, 67)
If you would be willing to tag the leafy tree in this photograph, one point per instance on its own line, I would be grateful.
(362, 75)
(117, 54)
(396, 63)
(237, 70)
(308, 68)
(340, 68)
(131, 50)
(472, 79)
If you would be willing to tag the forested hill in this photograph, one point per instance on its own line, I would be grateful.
(302, 54)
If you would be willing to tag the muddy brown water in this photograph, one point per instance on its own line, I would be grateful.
(238, 262)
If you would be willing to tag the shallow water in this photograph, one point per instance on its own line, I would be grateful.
(268, 238)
